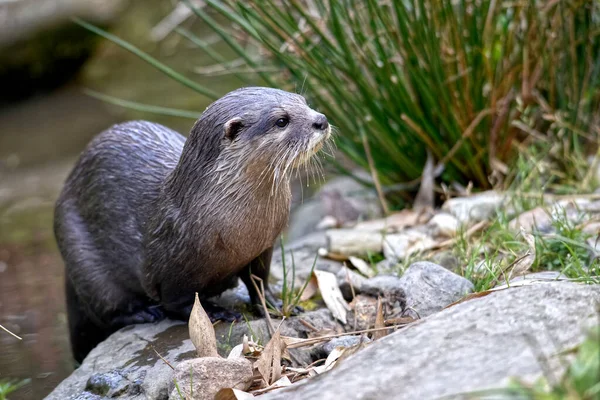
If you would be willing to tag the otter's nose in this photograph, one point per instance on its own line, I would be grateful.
(321, 122)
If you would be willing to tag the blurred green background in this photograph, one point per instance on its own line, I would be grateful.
(499, 94)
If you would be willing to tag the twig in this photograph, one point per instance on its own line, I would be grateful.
(308, 342)
(261, 296)
(472, 230)
(10, 333)
(162, 358)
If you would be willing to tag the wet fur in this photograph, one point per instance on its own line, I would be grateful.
(147, 218)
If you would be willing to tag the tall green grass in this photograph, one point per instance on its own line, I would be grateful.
(472, 81)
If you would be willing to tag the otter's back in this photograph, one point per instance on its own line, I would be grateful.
(108, 195)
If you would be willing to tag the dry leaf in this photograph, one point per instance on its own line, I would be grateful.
(379, 321)
(362, 266)
(202, 332)
(232, 394)
(236, 352)
(311, 289)
(424, 199)
(269, 362)
(331, 295)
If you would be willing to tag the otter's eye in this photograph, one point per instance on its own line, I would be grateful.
(282, 122)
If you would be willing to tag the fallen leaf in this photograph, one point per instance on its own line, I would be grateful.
(424, 199)
(311, 289)
(236, 352)
(269, 362)
(379, 321)
(362, 266)
(232, 394)
(333, 357)
(202, 332)
(332, 296)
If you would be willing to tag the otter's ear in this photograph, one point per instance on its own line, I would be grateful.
(233, 127)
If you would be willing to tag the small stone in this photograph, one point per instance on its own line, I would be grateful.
(399, 246)
(539, 276)
(446, 259)
(430, 287)
(444, 224)
(344, 341)
(202, 378)
(352, 242)
(381, 284)
(480, 207)
(363, 313)
(347, 278)
(536, 219)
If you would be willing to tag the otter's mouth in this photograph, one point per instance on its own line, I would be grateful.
(314, 144)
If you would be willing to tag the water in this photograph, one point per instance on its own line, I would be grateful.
(39, 140)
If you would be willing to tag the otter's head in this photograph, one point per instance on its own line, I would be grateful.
(261, 129)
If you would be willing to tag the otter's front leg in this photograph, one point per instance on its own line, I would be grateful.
(260, 267)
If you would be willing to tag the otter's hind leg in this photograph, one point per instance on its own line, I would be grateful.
(84, 334)
(98, 304)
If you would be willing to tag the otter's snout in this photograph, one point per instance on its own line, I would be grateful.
(320, 122)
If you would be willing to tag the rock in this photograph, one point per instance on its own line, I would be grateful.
(40, 47)
(430, 287)
(344, 341)
(475, 345)
(479, 207)
(351, 242)
(202, 378)
(342, 198)
(347, 277)
(447, 259)
(537, 219)
(304, 252)
(126, 365)
(444, 224)
(398, 246)
(381, 284)
(539, 276)
(362, 314)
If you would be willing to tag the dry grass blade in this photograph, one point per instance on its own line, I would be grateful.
(425, 199)
(332, 296)
(10, 333)
(269, 362)
(362, 266)
(202, 332)
(379, 321)
(311, 288)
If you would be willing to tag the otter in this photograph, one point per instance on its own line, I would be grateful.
(147, 218)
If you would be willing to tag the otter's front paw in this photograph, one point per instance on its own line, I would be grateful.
(142, 316)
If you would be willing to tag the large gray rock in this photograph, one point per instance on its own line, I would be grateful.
(475, 345)
(127, 366)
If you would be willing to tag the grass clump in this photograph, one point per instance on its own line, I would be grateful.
(8, 386)
(470, 81)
